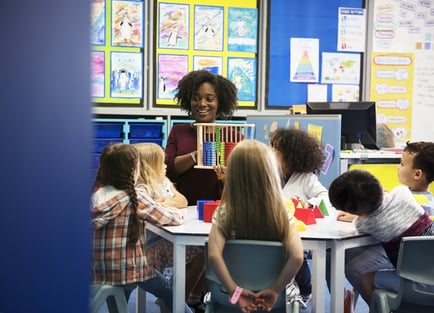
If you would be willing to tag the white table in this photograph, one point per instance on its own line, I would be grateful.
(327, 233)
(368, 157)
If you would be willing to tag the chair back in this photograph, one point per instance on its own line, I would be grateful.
(253, 264)
(416, 259)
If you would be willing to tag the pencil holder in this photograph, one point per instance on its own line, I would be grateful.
(215, 142)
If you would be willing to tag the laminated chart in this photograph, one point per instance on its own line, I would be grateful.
(215, 142)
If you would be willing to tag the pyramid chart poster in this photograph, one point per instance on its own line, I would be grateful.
(304, 60)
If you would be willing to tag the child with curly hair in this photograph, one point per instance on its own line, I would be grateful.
(301, 158)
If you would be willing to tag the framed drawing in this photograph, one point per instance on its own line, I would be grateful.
(97, 22)
(211, 64)
(242, 72)
(127, 23)
(171, 68)
(208, 28)
(126, 74)
(242, 29)
(97, 77)
(173, 31)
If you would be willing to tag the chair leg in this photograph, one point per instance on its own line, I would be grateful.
(100, 293)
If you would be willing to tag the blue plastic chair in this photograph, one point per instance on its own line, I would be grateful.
(252, 264)
(415, 265)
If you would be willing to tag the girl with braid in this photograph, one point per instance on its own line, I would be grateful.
(120, 211)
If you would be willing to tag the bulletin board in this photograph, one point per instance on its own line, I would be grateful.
(220, 36)
(299, 19)
(327, 128)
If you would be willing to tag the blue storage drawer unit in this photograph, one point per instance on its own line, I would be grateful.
(109, 130)
(100, 143)
(145, 130)
(158, 141)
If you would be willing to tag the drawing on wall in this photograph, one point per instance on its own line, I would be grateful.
(97, 77)
(173, 32)
(211, 64)
(242, 72)
(208, 28)
(340, 68)
(341, 93)
(171, 68)
(97, 22)
(127, 23)
(126, 74)
(304, 59)
(242, 29)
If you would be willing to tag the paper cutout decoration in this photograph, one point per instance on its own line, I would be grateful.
(323, 208)
(305, 215)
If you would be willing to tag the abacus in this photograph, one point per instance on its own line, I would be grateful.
(215, 141)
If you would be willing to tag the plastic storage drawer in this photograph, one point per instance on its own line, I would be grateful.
(158, 141)
(100, 143)
(109, 130)
(145, 130)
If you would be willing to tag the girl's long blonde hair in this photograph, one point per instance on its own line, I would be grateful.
(252, 197)
(151, 166)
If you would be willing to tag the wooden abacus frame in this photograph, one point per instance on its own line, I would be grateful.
(207, 132)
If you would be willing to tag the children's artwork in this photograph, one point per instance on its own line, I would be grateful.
(97, 22)
(171, 68)
(126, 75)
(242, 29)
(242, 72)
(97, 74)
(173, 30)
(340, 68)
(304, 60)
(127, 23)
(211, 64)
(208, 28)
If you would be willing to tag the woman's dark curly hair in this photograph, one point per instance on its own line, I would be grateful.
(301, 152)
(423, 157)
(224, 88)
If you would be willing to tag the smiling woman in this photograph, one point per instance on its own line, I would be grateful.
(205, 97)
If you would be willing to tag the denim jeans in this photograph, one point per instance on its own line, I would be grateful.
(158, 286)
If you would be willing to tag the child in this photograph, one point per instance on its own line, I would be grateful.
(153, 178)
(416, 170)
(387, 217)
(301, 157)
(120, 211)
(253, 207)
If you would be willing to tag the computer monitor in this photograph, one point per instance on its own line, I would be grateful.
(358, 121)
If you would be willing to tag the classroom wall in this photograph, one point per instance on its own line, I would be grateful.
(45, 156)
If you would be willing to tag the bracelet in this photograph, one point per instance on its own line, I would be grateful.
(193, 156)
(236, 295)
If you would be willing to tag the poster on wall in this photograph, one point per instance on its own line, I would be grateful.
(208, 28)
(392, 90)
(173, 32)
(304, 60)
(171, 68)
(340, 68)
(351, 29)
(97, 22)
(242, 29)
(97, 77)
(242, 72)
(126, 75)
(127, 23)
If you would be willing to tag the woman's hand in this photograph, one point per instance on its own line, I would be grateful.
(247, 301)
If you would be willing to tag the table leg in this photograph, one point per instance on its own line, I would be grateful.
(318, 277)
(337, 276)
(179, 278)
